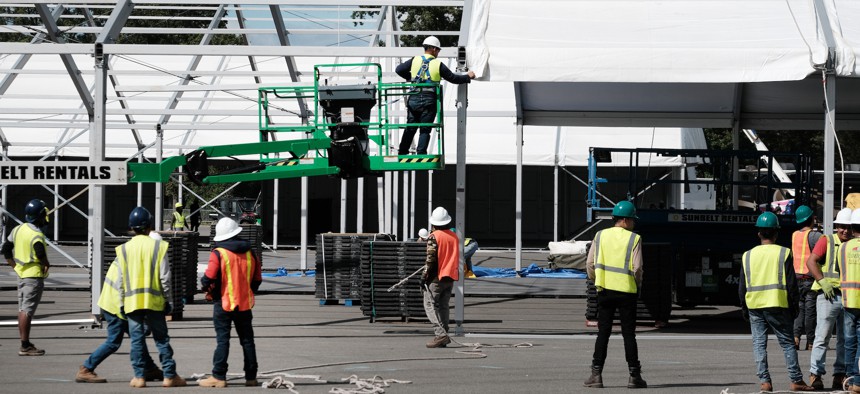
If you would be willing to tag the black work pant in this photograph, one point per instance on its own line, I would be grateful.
(608, 301)
(805, 321)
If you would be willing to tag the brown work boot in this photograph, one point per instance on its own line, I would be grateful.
(439, 342)
(596, 378)
(137, 383)
(153, 375)
(86, 375)
(766, 387)
(30, 350)
(816, 382)
(175, 381)
(212, 382)
(800, 386)
(839, 381)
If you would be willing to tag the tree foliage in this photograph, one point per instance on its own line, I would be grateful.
(422, 19)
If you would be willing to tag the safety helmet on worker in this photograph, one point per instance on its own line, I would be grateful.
(843, 217)
(139, 218)
(36, 211)
(802, 214)
(440, 217)
(225, 229)
(855, 216)
(432, 41)
(423, 233)
(178, 205)
(767, 220)
(624, 209)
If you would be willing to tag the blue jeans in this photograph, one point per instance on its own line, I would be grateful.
(136, 330)
(468, 251)
(420, 108)
(780, 321)
(829, 317)
(852, 332)
(245, 331)
(116, 329)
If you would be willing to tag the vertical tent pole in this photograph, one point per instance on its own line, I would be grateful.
(96, 192)
(343, 205)
(159, 187)
(277, 198)
(518, 242)
(555, 185)
(829, 144)
(359, 206)
(460, 222)
(304, 224)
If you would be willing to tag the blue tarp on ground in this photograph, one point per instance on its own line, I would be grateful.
(283, 272)
(532, 271)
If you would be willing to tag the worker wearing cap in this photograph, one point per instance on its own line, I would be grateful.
(178, 223)
(421, 102)
(232, 277)
(24, 251)
(822, 266)
(768, 293)
(442, 269)
(145, 285)
(614, 263)
(802, 243)
(848, 260)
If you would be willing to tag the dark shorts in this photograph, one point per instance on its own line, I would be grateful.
(29, 294)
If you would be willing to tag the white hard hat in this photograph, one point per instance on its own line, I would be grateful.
(440, 217)
(155, 236)
(225, 229)
(432, 41)
(843, 217)
(423, 233)
(855, 216)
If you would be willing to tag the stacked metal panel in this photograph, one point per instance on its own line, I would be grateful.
(384, 264)
(338, 258)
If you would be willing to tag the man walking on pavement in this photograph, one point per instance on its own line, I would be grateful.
(802, 242)
(441, 270)
(848, 260)
(421, 105)
(828, 303)
(614, 263)
(110, 302)
(24, 251)
(145, 278)
(768, 293)
(232, 277)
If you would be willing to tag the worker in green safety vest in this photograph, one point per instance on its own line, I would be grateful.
(178, 223)
(848, 260)
(614, 263)
(768, 293)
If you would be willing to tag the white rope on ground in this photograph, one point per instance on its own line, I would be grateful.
(374, 385)
(726, 391)
(476, 347)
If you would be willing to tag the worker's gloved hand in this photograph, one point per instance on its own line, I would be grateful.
(827, 289)
(167, 308)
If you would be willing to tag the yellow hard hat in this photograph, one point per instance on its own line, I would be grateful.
(179, 205)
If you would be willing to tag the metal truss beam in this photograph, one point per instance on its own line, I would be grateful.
(53, 33)
(278, 19)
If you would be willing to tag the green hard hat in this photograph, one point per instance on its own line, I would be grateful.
(802, 213)
(767, 220)
(624, 209)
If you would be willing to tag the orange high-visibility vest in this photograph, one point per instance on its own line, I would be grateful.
(800, 250)
(447, 254)
(237, 271)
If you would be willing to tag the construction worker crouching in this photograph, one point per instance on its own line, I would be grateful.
(802, 242)
(178, 223)
(822, 265)
(441, 270)
(768, 293)
(231, 279)
(848, 260)
(24, 251)
(145, 278)
(614, 263)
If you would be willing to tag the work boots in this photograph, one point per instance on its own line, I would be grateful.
(800, 386)
(766, 387)
(816, 382)
(636, 381)
(176, 381)
(838, 381)
(212, 381)
(441, 341)
(596, 378)
(86, 375)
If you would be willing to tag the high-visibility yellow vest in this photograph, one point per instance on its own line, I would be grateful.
(140, 263)
(613, 259)
(236, 276)
(178, 220)
(110, 299)
(430, 73)
(24, 237)
(831, 274)
(764, 271)
(800, 250)
(849, 269)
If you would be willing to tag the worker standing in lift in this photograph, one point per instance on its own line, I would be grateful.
(421, 105)
(848, 261)
(802, 242)
(768, 293)
(828, 306)
(614, 263)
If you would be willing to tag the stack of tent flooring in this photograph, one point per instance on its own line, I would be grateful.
(384, 264)
(252, 233)
(338, 258)
(183, 256)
